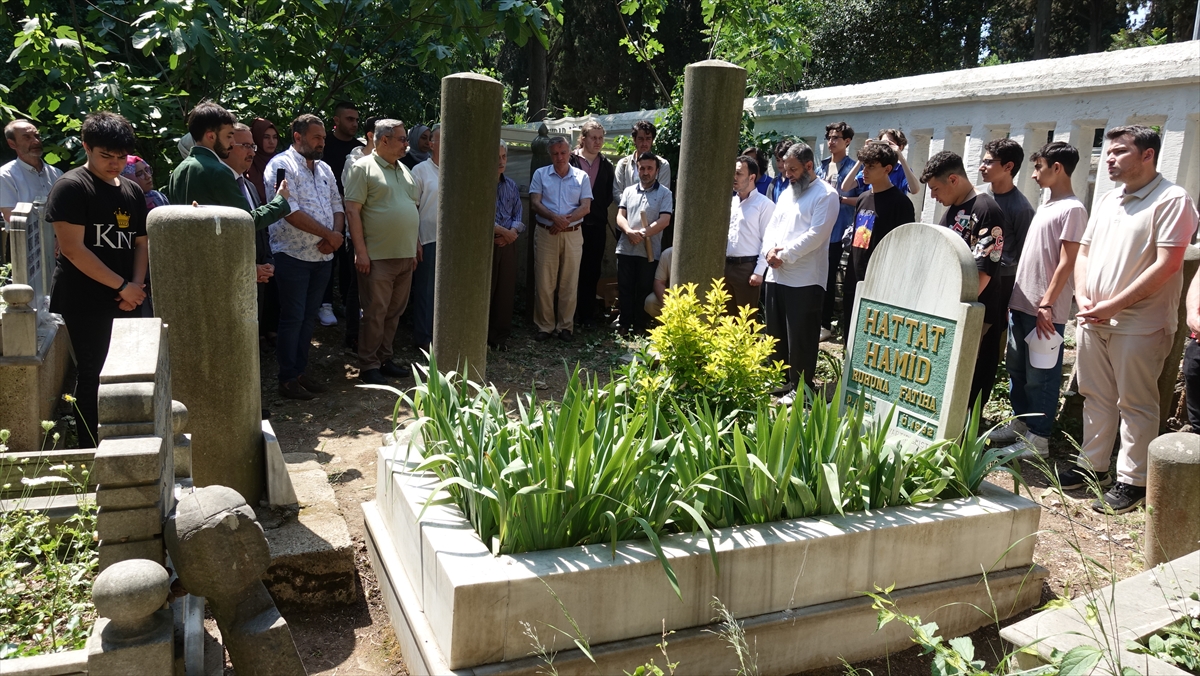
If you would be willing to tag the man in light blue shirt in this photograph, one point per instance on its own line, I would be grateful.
(560, 196)
(832, 170)
(26, 178)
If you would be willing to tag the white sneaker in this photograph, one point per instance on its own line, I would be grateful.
(826, 334)
(787, 399)
(325, 315)
(1010, 432)
(1028, 446)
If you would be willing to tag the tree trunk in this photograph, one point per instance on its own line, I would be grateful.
(1041, 30)
(537, 80)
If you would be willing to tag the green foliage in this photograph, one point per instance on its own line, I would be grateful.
(46, 571)
(698, 353)
(153, 61)
(1129, 39)
(1178, 644)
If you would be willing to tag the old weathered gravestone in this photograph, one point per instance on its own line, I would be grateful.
(220, 553)
(713, 93)
(915, 333)
(471, 107)
(209, 299)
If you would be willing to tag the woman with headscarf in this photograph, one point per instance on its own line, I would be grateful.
(266, 137)
(418, 146)
(139, 171)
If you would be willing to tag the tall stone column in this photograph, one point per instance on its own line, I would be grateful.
(202, 263)
(1172, 493)
(713, 92)
(470, 154)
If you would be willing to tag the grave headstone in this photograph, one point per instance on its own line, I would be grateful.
(471, 107)
(915, 333)
(209, 301)
(713, 94)
(32, 245)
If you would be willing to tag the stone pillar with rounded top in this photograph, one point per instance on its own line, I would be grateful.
(135, 633)
(471, 106)
(20, 320)
(202, 263)
(1172, 496)
(713, 93)
(219, 552)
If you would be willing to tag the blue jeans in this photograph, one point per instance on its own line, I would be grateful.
(422, 296)
(1032, 390)
(301, 288)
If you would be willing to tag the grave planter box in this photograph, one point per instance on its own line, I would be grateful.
(455, 606)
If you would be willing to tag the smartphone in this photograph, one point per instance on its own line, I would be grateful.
(280, 174)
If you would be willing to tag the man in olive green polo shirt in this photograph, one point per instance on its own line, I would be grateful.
(381, 208)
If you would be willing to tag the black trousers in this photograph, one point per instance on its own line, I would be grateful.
(1191, 380)
(347, 280)
(794, 320)
(850, 282)
(594, 239)
(835, 260)
(635, 281)
(994, 336)
(90, 334)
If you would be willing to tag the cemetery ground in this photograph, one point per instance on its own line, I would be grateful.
(345, 426)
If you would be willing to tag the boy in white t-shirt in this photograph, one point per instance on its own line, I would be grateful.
(1041, 299)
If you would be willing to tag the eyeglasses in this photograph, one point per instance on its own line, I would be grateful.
(144, 173)
(989, 161)
(247, 146)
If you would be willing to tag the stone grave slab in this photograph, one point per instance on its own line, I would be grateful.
(915, 333)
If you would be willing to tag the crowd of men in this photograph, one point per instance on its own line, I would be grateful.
(363, 212)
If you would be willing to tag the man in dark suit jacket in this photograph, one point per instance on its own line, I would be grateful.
(595, 225)
(241, 157)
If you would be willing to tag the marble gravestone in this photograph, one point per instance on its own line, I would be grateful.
(915, 333)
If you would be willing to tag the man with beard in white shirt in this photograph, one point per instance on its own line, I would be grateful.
(794, 263)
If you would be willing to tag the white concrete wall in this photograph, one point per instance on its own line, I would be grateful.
(961, 110)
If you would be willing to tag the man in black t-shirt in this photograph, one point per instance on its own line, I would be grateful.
(337, 146)
(976, 217)
(877, 212)
(99, 219)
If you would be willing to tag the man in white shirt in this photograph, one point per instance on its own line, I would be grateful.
(426, 175)
(748, 218)
(26, 178)
(794, 263)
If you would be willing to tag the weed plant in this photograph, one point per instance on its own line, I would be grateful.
(46, 570)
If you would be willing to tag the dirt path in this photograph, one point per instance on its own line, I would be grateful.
(345, 426)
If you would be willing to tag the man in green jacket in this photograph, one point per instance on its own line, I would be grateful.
(204, 179)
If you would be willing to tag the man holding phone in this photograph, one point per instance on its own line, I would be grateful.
(205, 177)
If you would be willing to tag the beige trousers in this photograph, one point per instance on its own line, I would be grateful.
(1118, 376)
(384, 295)
(556, 276)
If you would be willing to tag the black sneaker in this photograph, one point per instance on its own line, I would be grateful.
(392, 370)
(543, 336)
(564, 336)
(1078, 477)
(292, 389)
(314, 386)
(373, 377)
(1121, 498)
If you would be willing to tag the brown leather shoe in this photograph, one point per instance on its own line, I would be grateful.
(314, 386)
(292, 389)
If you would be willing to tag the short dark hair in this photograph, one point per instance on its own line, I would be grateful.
(1006, 150)
(901, 139)
(1144, 137)
(801, 152)
(208, 116)
(942, 165)
(343, 105)
(781, 148)
(645, 126)
(840, 127)
(554, 140)
(874, 152)
(649, 157)
(751, 164)
(301, 124)
(1060, 153)
(369, 125)
(108, 131)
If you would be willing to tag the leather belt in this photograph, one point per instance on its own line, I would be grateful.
(741, 259)
(573, 228)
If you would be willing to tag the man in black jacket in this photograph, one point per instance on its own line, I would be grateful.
(595, 225)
